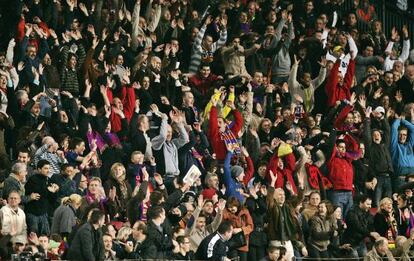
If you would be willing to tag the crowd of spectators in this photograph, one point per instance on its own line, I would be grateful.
(220, 130)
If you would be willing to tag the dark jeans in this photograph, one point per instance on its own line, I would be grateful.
(360, 250)
(397, 182)
(256, 253)
(383, 189)
(38, 224)
(343, 199)
(315, 253)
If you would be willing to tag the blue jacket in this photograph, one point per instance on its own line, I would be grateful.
(232, 186)
(402, 154)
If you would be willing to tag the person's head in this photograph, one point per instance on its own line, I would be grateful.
(365, 203)
(139, 229)
(409, 72)
(95, 186)
(143, 123)
(341, 146)
(97, 218)
(107, 240)
(352, 19)
(23, 156)
(309, 6)
(273, 253)
(207, 42)
(398, 66)
(270, 29)
(157, 214)
(43, 167)
(74, 200)
(212, 180)
(368, 51)
(376, 136)
(44, 241)
(35, 110)
(362, 148)
(279, 196)
(201, 222)
(381, 245)
(77, 145)
(233, 205)
(266, 125)
(83, 183)
(262, 169)
(124, 233)
(118, 172)
(402, 134)
(117, 103)
(67, 170)
(314, 199)
(323, 208)
(237, 173)
(386, 205)
(137, 157)
(388, 78)
(221, 124)
(14, 199)
(169, 133)
(337, 212)
(72, 61)
(109, 229)
(156, 63)
(20, 171)
(31, 51)
(400, 241)
(188, 99)
(258, 77)
(306, 79)
(401, 201)
(205, 70)
(225, 230)
(208, 207)
(184, 243)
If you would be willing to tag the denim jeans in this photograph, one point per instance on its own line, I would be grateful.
(279, 79)
(343, 199)
(383, 189)
(38, 224)
(360, 250)
(397, 182)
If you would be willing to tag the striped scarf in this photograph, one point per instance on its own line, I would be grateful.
(228, 137)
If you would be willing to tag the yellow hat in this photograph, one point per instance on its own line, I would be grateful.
(284, 149)
(337, 48)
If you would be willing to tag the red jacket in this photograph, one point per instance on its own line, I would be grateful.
(332, 88)
(128, 101)
(217, 143)
(203, 85)
(341, 172)
(285, 174)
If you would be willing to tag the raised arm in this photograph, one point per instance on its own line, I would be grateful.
(135, 24)
(158, 141)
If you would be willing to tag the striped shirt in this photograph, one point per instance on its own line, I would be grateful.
(199, 53)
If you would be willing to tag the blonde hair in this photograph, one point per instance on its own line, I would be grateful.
(384, 201)
(123, 233)
(114, 166)
(95, 179)
(72, 199)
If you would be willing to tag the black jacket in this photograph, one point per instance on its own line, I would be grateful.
(378, 154)
(212, 248)
(38, 184)
(360, 223)
(406, 88)
(161, 240)
(87, 245)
